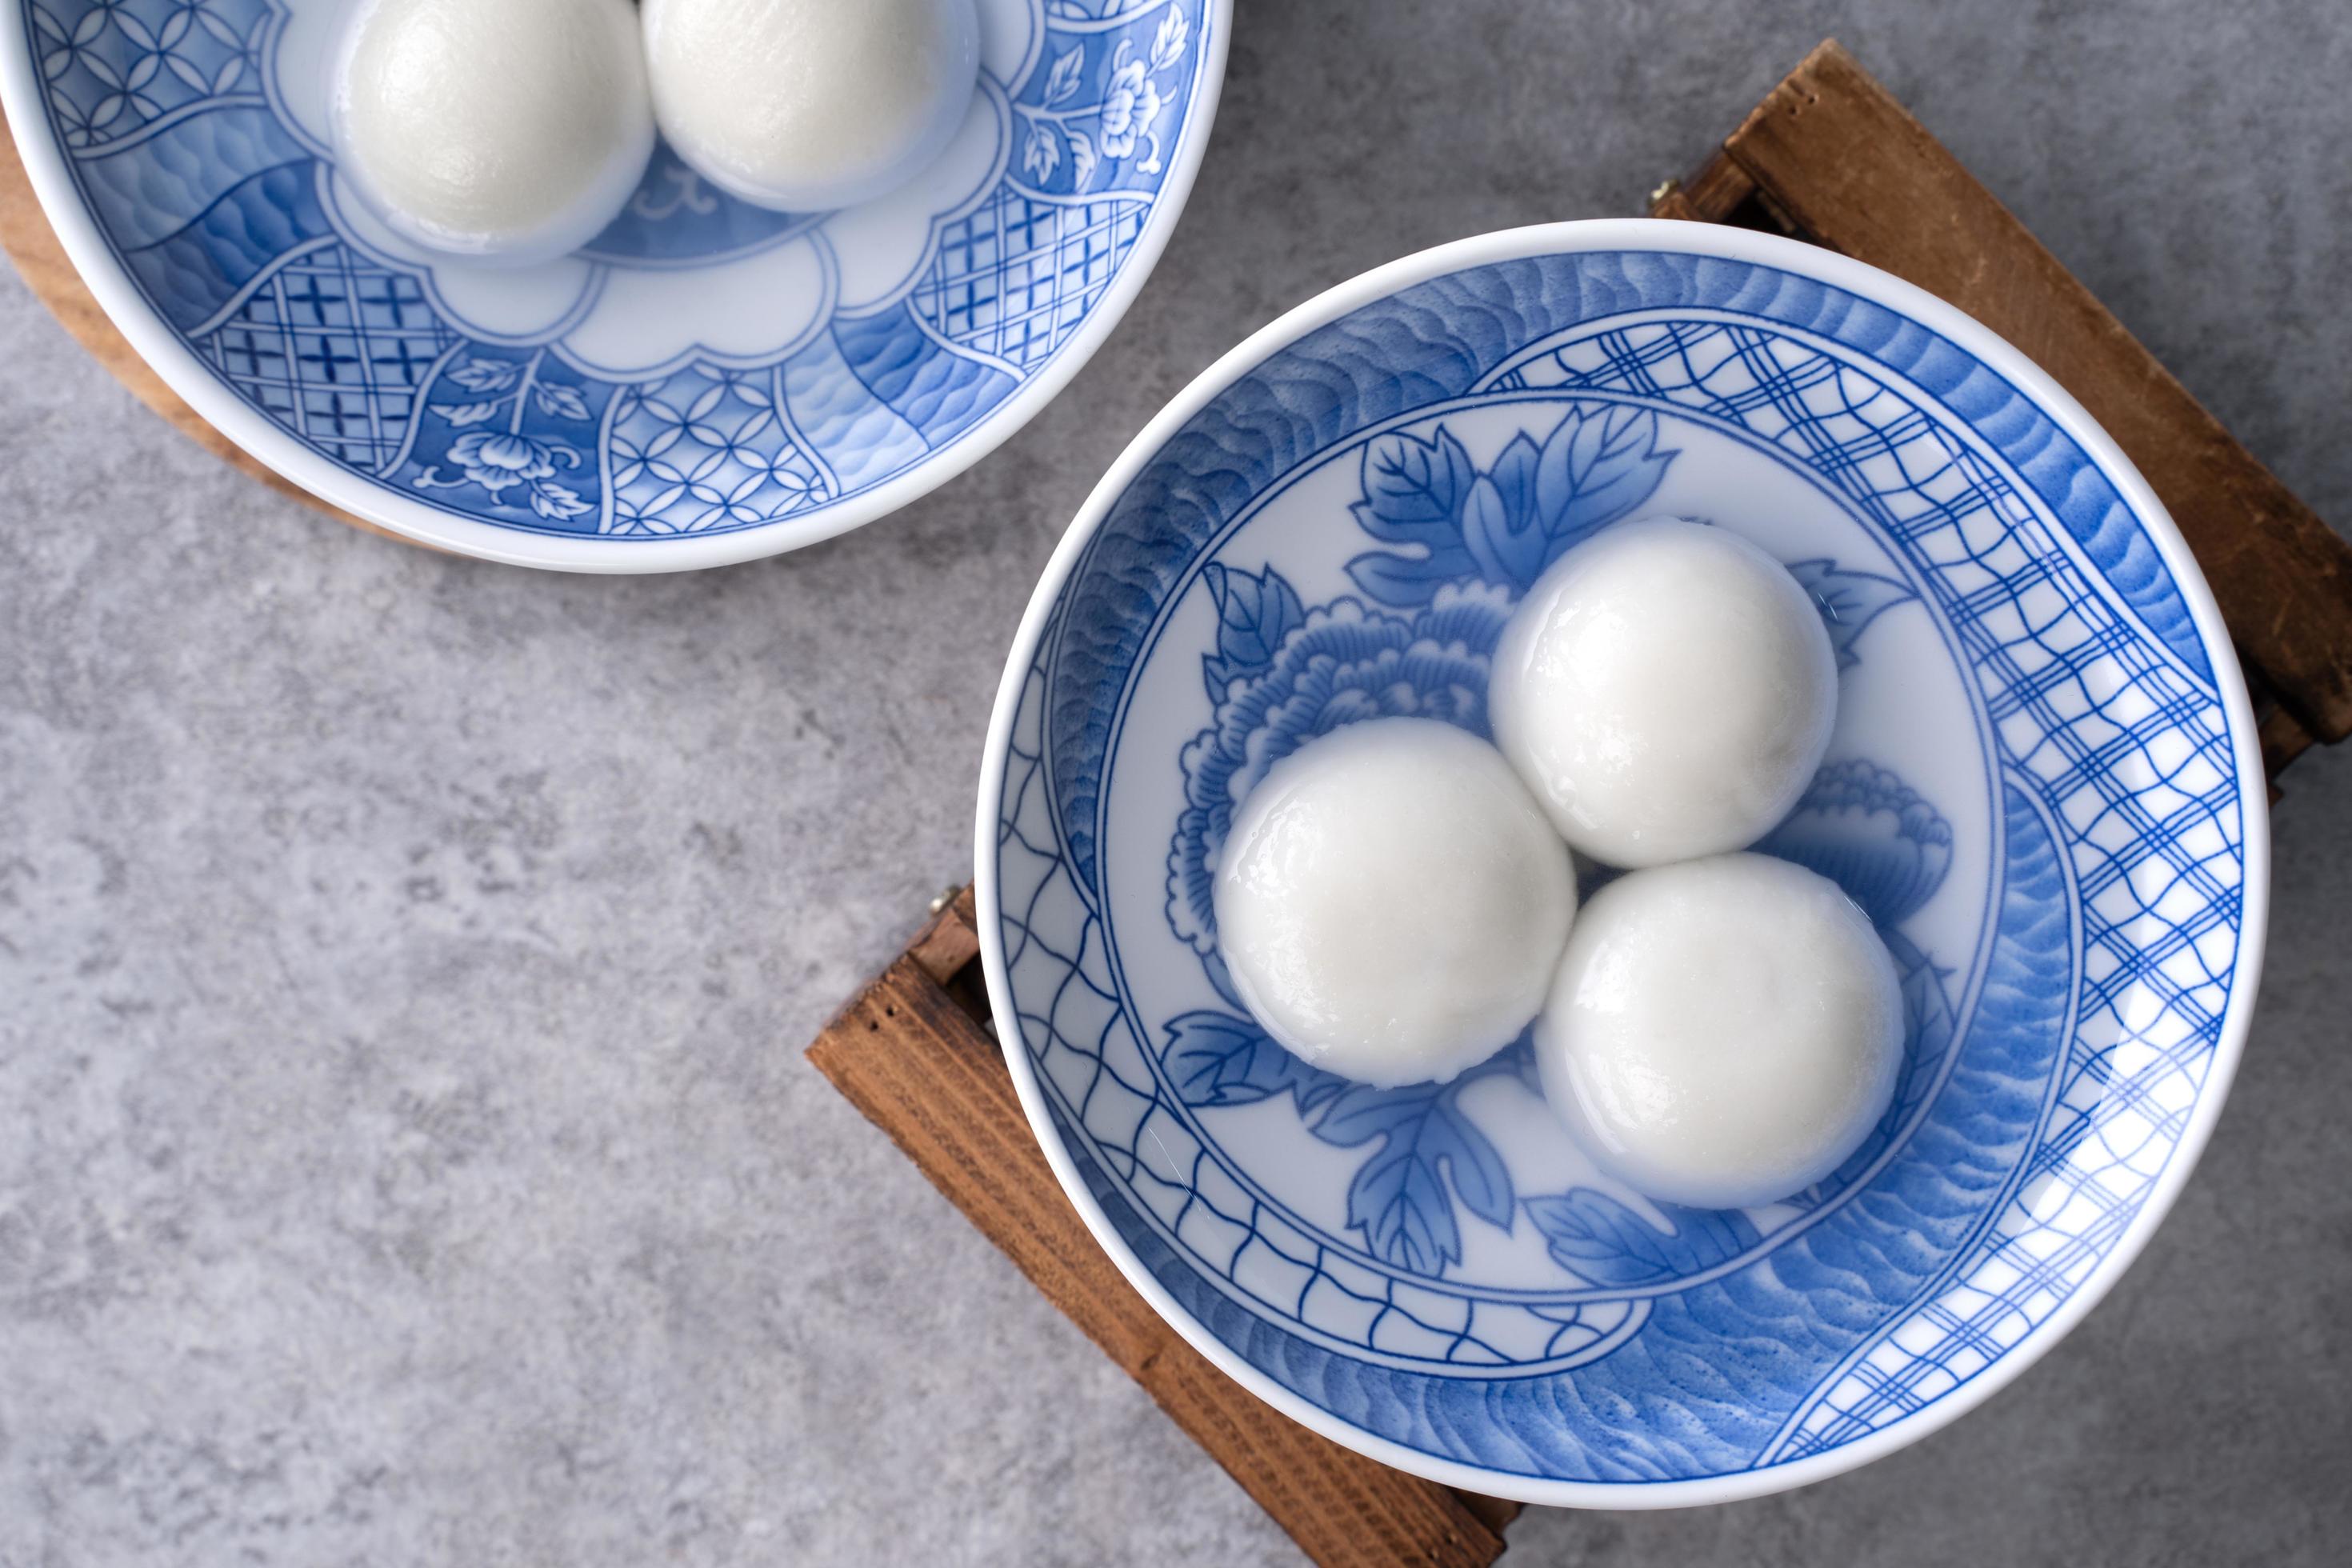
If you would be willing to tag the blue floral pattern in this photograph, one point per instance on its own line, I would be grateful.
(1426, 1155)
(1281, 677)
(495, 462)
(193, 131)
(1465, 544)
(1125, 110)
(509, 391)
(1505, 525)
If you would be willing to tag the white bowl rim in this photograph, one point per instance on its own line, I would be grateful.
(1869, 283)
(254, 434)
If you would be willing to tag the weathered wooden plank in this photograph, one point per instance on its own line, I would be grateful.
(921, 1068)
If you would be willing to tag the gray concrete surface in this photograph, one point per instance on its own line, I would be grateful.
(405, 1154)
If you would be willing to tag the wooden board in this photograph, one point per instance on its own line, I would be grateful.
(911, 1052)
(33, 245)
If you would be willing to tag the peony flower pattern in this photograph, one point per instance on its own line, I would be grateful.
(1282, 676)
(1126, 113)
(1129, 106)
(494, 462)
(1459, 545)
(497, 461)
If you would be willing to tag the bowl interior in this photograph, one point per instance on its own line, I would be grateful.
(2038, 790)
(706, 381)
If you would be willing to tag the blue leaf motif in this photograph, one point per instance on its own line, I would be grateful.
(1215, 1059)
(1062, 81)
(556, 502)
(1413, 488)
(1849, 601)
(1401, 1206)
(1507, 525)
(1168, 44)
(1480, 1178)
(1255, 614)
(1364, 1112)
(1596, 467)
(1413, 493)
(1591, 1234)
(1508, 548)
(1082, 156)
(1398, 1198)
(486, 374)
(1514, 474)
(1041, 154)
(1404, 581)
(558, 401)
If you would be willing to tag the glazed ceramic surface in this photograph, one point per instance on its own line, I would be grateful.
(2043, 788)
(707, 381)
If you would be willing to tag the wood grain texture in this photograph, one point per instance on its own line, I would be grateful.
(924, 1070)
(33, 245)
(950, 940)
(1720, 192)
(1834, 151)
(2282, 735)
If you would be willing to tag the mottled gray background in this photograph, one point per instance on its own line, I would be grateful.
(405, 1150)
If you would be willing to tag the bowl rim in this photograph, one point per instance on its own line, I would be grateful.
(1869, 283)
(165, 353)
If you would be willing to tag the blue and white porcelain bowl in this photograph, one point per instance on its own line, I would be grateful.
(707, 381)
(2044, 787)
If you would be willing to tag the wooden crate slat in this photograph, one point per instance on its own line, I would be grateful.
(916, 1062)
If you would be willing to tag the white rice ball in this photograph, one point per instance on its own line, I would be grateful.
(1722, 1033)
(1668, 691)
(511, 131)
(1391, 904)
(809, 105)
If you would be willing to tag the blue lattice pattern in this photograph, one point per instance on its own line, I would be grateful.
(1013, 279)
(116, 67)
(2131, 1081)
(2120, 744)
(705, 447)
(334, 348)
(1088, 1059)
